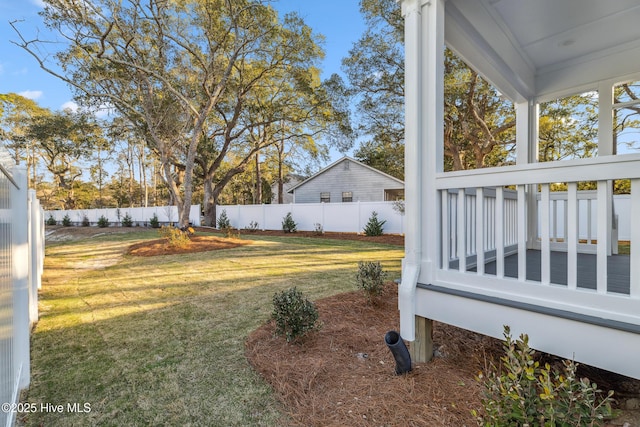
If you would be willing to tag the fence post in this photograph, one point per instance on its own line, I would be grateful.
(20, 270)
(34, 262)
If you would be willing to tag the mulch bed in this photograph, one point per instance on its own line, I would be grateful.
(196, 244)
(344, 374)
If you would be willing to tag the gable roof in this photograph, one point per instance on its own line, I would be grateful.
(336, 163)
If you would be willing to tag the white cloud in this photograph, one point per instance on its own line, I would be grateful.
(31, 94)
(70, 105)
(39, 3)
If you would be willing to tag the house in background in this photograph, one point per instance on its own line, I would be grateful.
(480, 250)
(290, 181)
(348, 180)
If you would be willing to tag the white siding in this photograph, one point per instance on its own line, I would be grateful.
(365, 184)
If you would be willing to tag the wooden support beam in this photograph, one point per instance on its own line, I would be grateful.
(421, 350)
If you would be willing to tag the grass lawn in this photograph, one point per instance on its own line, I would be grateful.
(160, 340)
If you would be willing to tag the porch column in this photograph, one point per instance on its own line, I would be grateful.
(527, 114)
(424, 115)
(607, 147)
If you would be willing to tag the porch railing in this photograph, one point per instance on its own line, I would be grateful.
(489, 214)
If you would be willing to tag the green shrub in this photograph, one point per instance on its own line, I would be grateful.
(525, 393)
(66, 221)
(374, 226)
(103, 222)
(85, 221)
(288, 224)
(370, 278)
(153, 221)
(176, 238)
(127, 221)
(223, 221)
(51, 220)
(294, 315)
(253, 226)
(317, 229)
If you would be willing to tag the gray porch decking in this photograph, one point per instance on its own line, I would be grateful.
(618, 269)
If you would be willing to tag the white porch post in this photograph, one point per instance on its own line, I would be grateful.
(527, 113)
(424, 80)
(606, 148)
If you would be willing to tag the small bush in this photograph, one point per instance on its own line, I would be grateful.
(294, 315)
(85, 221)
(176, 238)
(374, 226)
(398, 206)
(317, 229)
(127, 221)
(51, 220)
(253, 226)
(231, 233)
(525, 393)
(153, 221)
(103, 222)
(288, 224)
(370, 278)
(223, 221)
(66, 221)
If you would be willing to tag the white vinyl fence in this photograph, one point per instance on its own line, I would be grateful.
(139, 216)
(21, 264)
(340, 217)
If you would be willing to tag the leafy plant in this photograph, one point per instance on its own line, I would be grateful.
(153, 221)
(85, 221)
(317, 229)
(66, 221)
(176, 238)
(223, 221)
(51, 220)
(374, 226)
(370, 278)
(231, 233)
(294, 314)
(398, 206)
(523, 392)
(288, 224)
(103, 221)
(127, 221)
(253, 226)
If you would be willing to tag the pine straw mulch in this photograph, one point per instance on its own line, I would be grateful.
(196, 244)
(344, 374)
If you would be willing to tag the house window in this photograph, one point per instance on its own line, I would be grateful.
(347, 196)
(325, 197)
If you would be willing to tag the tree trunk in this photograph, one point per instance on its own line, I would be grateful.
(257, 198)
(208, 204)
(280, 148)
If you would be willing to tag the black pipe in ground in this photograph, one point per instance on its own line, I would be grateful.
(399, 350)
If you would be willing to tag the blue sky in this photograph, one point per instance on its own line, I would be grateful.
(338, 20)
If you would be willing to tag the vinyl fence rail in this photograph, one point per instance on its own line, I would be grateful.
(340, 217)
(21, 266)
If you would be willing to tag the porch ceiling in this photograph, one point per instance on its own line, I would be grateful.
(535, 48)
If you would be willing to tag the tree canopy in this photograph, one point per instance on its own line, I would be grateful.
(201, 81)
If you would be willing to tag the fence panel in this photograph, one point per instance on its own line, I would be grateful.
(21, 264)
(337, 217)
(139, 216)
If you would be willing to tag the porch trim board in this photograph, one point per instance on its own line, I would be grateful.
(609, 344)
